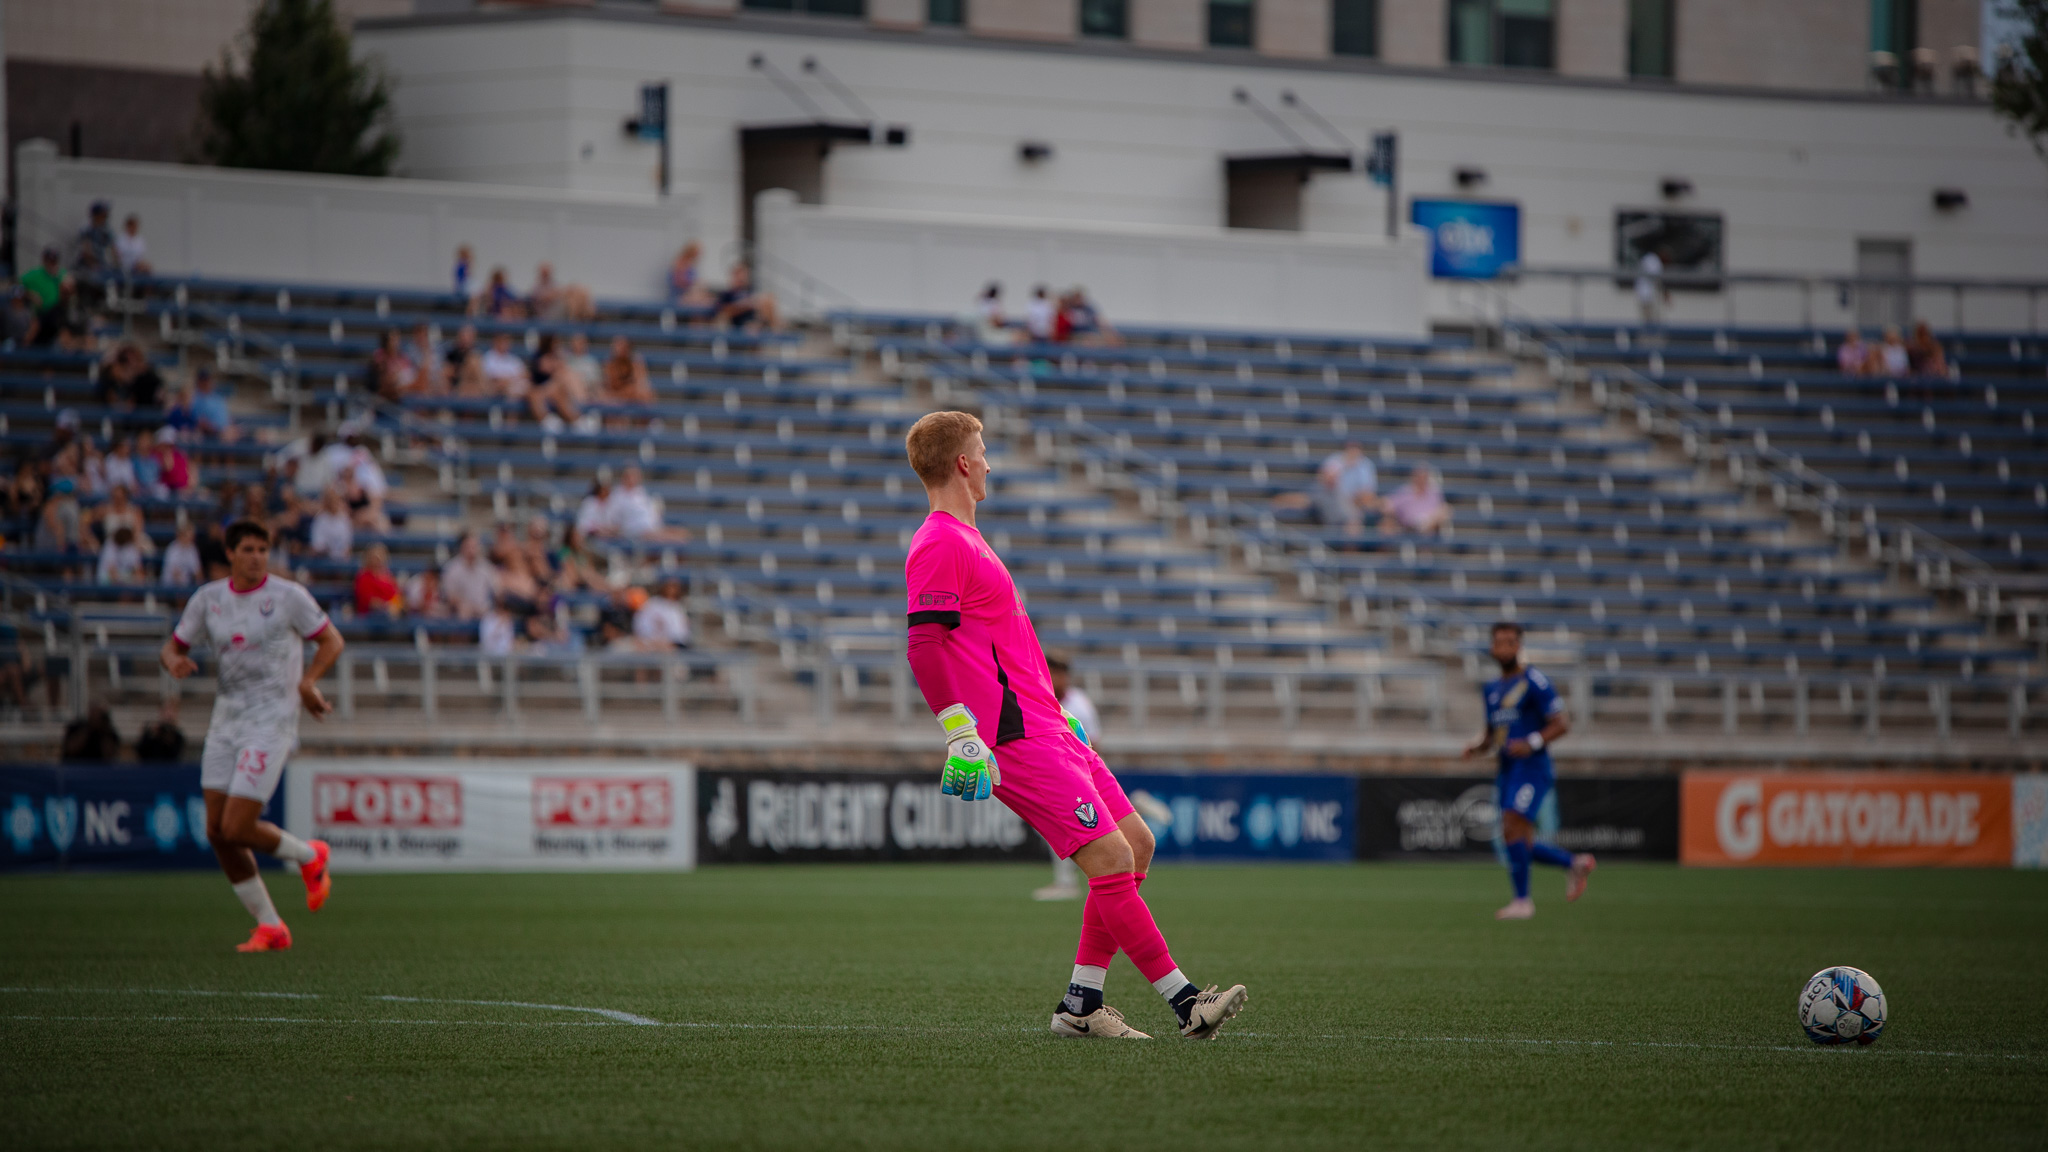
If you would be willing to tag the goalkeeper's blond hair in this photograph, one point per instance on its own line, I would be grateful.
(936, 441)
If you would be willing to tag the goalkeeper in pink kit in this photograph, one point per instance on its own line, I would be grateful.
(978, 662)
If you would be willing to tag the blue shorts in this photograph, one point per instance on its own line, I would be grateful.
(1524, 784)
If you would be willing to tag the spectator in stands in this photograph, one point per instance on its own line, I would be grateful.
(991, 327)
(333, 533)
(1071, 697)
(464, 260)
(556, 387)
(496, 631)
(1078, 321)
(128, 381)
(504, 374)
(210, 408)
(161, 741)
(462, 364)
(175, 471)
(1890, 357)
(130, 249)
(376, 590)
(92, 470)
(120, 512)
(92, 738)
(213, 552)
(393, 372)
(178, 413)
(498, 300)
(685, 289)
(631, 511)
(468, 582)
(593, 515)
(625, 375)
(62, 526)
(181, 559)
(1039, 315)
(550, 301)
(149, 477)
(45, 287)
(1924, 355)
(363, 484)
(120, 465)
(430, 373)
(290, 525)
(740, 306)
(578, 565)
(1417, 506)
(518, 587)
(660, 624)
(1853, 355)
(24, 494)
(1345, 492)
(94, 256)
(121, 559)
(423, 594)
(581, 360)
(546, 637)
(1652, 294)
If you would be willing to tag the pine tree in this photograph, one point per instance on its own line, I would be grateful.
(2019, 93)
(304, 104)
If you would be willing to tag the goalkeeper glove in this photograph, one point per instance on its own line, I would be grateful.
(1074, 725)
(970, 771)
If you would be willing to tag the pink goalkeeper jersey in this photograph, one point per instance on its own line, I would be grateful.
(990, 658)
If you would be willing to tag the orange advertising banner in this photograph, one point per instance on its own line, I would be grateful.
(1856, 819)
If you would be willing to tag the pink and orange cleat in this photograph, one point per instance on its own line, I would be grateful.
(314, 873)
(267, 938)
(1582, 867)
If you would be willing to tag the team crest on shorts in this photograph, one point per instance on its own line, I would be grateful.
(1085, 813)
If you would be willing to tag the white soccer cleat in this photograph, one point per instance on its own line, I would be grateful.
(1582, 867)
(1105, 1023)
(1522, 909)
(1212, 1009)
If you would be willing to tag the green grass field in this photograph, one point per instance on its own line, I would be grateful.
(905, 1007)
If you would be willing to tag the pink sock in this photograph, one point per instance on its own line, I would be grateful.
(1098, 943)
(1125, 916)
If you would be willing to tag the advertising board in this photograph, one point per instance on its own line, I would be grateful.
(1872, 819)
(106, 816)
(1230, 816)
(1434, 816)
(1470, 239)
(756, 817)
(397, 815)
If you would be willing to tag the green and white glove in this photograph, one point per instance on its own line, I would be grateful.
(1074, 725)
(970, 772)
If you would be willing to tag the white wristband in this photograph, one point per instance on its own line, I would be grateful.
(1535, 741)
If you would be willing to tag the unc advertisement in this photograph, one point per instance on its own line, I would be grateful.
(1223, 816)
(107, 816)
(1470, 240)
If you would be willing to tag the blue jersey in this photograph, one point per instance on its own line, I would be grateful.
(1517, 707)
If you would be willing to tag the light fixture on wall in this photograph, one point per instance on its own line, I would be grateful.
(1469, 178)
(1675, 187)
(1950, 199)
(1034, 151)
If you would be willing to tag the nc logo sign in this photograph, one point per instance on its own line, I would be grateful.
(60, 815)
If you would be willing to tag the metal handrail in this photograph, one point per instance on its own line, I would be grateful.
(1809, 283)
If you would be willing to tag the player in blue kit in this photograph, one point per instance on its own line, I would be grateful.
(1523, 718)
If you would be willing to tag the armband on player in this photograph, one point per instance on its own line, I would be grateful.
(970, 772)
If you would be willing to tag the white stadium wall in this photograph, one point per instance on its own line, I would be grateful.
(538, 98)
(818, 257)
(354, 230)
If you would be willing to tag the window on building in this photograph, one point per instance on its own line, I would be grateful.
(1230, 23)
(949, 12)
(855, 8)
(1509, 33)
(1355, 27)
(1894, 26)
(1109, 18)
(1649, 38)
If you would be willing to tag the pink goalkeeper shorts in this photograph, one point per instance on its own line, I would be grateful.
(1061, 788)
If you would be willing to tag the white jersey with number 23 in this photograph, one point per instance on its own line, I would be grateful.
(258, 639)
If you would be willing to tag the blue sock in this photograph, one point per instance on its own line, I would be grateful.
(1518, 867)
(1550, 854)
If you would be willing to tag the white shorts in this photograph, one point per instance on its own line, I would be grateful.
(248, 770)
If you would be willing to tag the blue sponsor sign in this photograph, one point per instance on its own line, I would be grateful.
(1470, 240)
(1207, 816)
(106, 816)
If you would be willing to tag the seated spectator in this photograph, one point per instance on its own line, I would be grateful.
(468, 581)
(1345, 491)
(127, 380)
(539, 552)
(45, 285)
(178, 415)
(495, 631)
(578, 565)
(1890, 357)
(149, 473)
(631, 512)
(463, 364)
(131, 249)
(363, 484)
(161, 741)
(176, 473)
(333, 533)
(593, 515)
(556, 386)
(545, 637)
(92, 738)
(121, 559)
(1924, 355)
(518, 587)
(685, 290)
(62, 527)
(210, 407)
(92, 471)
(291, 525)
(550, 301)
(1853, 355)
(1078, 321)
(181, 560)
(213, 552)
(423, 594)
(740, 306)
(625, 375)
(1417, 506)
(120, 465)
(660, 624)
(991, 327)
(93, 256)
(24, 495)
(120, 512)
(504, 374)
(393, 373)
(464, 260)
(376, 590)
(580, 360)
(430, 371)
(498, 300)
(1039, 315)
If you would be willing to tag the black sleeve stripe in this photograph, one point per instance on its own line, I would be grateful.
(949, 619)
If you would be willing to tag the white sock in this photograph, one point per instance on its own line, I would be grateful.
(290, 847)
(1090, 976)
(1170, 984)
(256, 898)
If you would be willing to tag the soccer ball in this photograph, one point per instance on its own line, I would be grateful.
(1841, 1006)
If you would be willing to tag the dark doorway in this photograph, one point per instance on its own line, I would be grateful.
(789, 156)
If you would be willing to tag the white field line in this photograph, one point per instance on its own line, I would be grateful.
(614, 1017)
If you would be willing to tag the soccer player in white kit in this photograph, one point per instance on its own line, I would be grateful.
(257, 625)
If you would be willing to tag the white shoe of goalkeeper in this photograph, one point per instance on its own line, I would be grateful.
(1105, 1023)
(1212, 1008)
